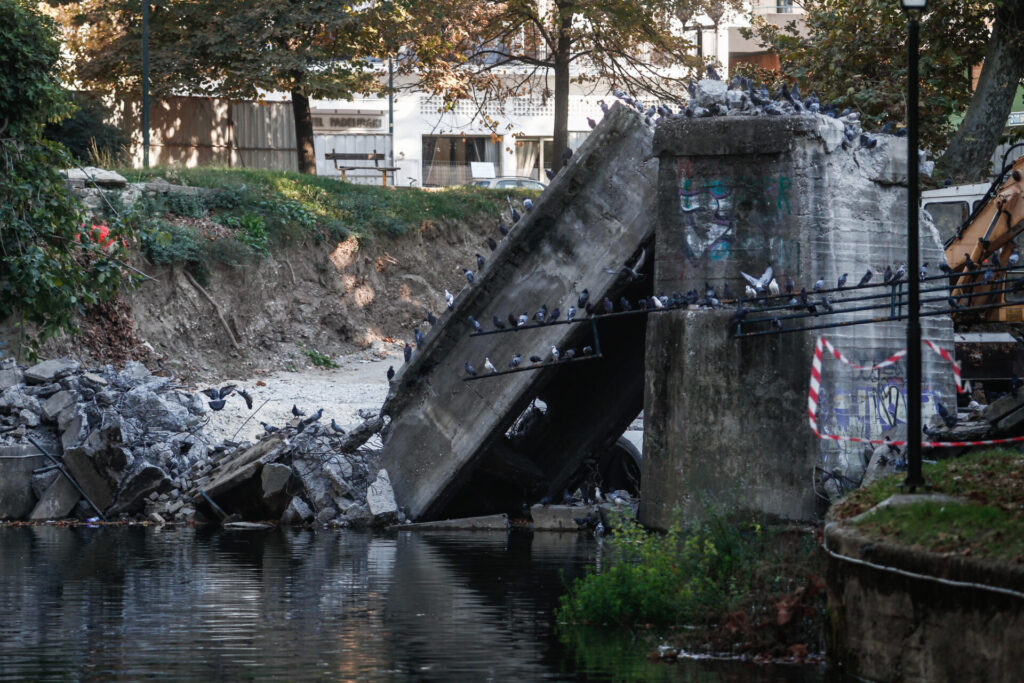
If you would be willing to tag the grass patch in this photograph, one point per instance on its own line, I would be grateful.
(292, 203)
(320, 360)
(989, 524)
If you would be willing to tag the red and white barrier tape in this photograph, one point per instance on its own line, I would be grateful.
(813, 392)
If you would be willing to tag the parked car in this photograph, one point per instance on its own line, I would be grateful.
(507, 181)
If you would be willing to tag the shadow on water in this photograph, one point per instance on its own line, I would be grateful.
(131, 603)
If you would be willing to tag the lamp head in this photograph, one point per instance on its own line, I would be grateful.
(914, 4)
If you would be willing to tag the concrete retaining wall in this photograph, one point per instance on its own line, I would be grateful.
(890, 627)
(726, 418)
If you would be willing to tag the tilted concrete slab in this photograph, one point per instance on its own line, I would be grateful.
(595, 214)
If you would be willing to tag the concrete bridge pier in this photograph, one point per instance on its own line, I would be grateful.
(726, 419)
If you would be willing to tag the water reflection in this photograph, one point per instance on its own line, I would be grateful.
(130, 603)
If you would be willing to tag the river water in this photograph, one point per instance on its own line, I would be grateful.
(136, 603)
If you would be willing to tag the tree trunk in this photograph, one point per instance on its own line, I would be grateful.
(303, 133)
(968, 157)
(561, 133)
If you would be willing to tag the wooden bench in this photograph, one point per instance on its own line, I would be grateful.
(373, 156)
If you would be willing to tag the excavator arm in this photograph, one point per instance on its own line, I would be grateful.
(988, 239)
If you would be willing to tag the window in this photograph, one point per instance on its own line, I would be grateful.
(948, 216)
(447, 158)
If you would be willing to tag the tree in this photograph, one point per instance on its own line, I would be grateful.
(492, 50)
(227, 48)
(46, 274)
(836, 58)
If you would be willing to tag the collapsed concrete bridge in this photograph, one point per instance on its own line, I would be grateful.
(448, 445)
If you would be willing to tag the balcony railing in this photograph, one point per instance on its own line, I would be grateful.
(442, 173)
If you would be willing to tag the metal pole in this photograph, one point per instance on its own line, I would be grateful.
(391, 118)
(914, 478)
(145, 83)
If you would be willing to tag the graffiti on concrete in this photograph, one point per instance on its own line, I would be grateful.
(713, 208)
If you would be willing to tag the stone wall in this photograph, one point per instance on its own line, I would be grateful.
(727, 418)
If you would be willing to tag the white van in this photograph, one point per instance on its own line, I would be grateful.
(950, 206)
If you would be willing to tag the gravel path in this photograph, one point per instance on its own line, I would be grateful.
(359, 383)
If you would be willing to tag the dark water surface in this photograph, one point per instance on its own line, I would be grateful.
(141, 603)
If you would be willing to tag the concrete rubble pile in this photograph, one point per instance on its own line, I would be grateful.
(134, 444)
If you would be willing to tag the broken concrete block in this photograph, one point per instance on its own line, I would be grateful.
(57, 501)
(42, 481)
(1011, 421)
(380, 499)
(91, 176)
(556, 517)
(50, 370)
(75, 431)
(10, 377)
(274, 478)
(326, 515)
(297, 512)
(335, 473)
(28, 418)
(136, 487)
(57, 403)
(94, 379)
(710, 93)
(358, 515)
(84, 471)
(14, 399)
(16, 499)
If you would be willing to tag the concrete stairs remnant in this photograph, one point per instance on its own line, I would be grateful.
(445, 433)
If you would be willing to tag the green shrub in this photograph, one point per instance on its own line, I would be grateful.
(251, 231)
(320, 360)
(682, 576)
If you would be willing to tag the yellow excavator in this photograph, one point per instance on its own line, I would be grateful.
(979, 254)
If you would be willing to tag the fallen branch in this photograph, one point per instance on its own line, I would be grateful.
(216, 308)
(361, 434)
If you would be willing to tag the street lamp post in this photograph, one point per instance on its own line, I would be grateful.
(145, 83)
(914, 479)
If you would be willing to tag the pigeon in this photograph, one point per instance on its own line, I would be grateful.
(887, 128)
(945, 268)
(449, 300)
(269, 429)
(336, 427)
(592, 123)
(759, 284)
(773, 287)
(491, 243)
(225, 391)
(554, 352)
(887, 277)
(542, 314)
(469, 275)
(498, 325)
(488, 365)
(842, 281)
(712, 74)
(523, 319)
(535, 359)
(866, 278)
(989, 274)
(953, 303)
(571, 314)
(900, 273)
(566, 155)
(554, 315)
(776, 323)
(790, 285)
(476, 325)
(624, 304)
(418, 336)
(549, 173)
(727, 292)
(569, 355)
(470, 370)
(583, 298)
(1014, 260)
(969, 264)
(212, 392)
(407, 351)
(296, 412)
(632, 272)
(391, 372)
(247, 397)
(818, 286)
(924, 270)
(739, 315)
(431, 318)
(513, 320)
(314, 417)
(750, 292)
(515, 215)
(479, 262)
(949, 418)
(528, 204)
(609, 307)
(588, 350)
(658, 303)
(502, 229)
(216, 405)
